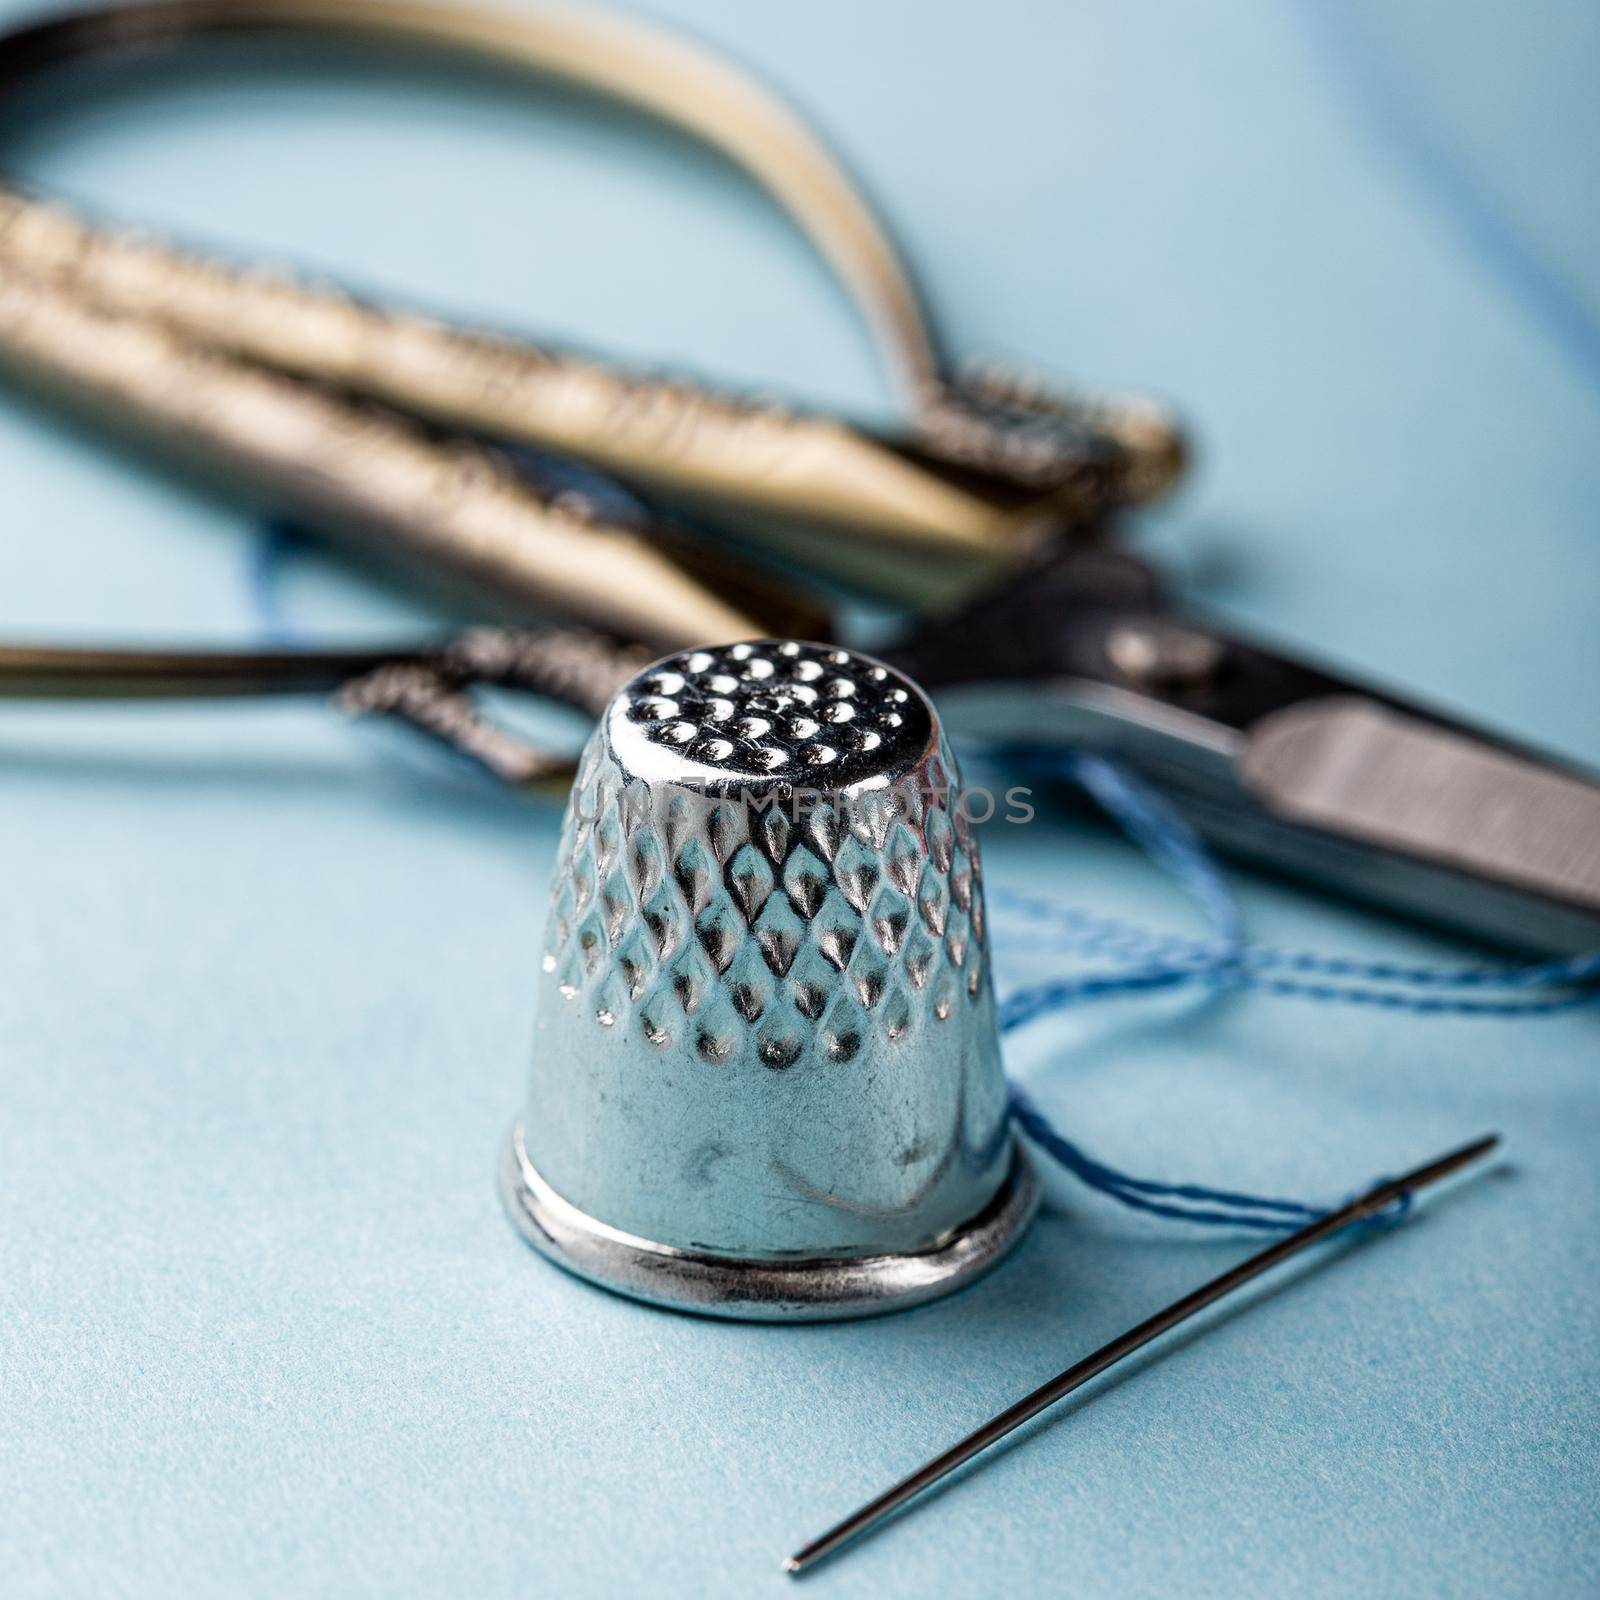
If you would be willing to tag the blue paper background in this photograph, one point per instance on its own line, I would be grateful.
(263, 1329)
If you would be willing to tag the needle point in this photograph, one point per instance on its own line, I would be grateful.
(1325, 1227)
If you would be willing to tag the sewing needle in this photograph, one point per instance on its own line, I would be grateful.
(1374, 1201)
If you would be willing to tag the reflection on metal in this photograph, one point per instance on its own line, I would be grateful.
(767, 1073)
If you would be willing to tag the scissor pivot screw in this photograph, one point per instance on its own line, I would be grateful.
(1163, 655)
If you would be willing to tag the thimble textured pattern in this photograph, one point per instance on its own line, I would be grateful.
(765, 1023)
(729, 926)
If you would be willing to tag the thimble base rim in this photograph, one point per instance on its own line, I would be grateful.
(814, 1290)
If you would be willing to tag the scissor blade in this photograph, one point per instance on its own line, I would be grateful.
(568, 665)
(1276, 759)
(47, 672)
(1365, 771)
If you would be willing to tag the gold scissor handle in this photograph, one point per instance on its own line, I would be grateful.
(461, 513)
(983, 469)
(621, 58)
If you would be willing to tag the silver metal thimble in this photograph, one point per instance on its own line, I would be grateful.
(767, 1077)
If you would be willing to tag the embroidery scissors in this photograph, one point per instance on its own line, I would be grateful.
(1065, 639)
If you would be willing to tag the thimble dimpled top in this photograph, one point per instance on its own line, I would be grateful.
(765, 1028)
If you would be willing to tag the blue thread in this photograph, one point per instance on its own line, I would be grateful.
(1396, 1211)
(1156, 1198)
(1178, 851)
(1164, 836)
(1027, 1005)
(1250, 967)
(1169, 961)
